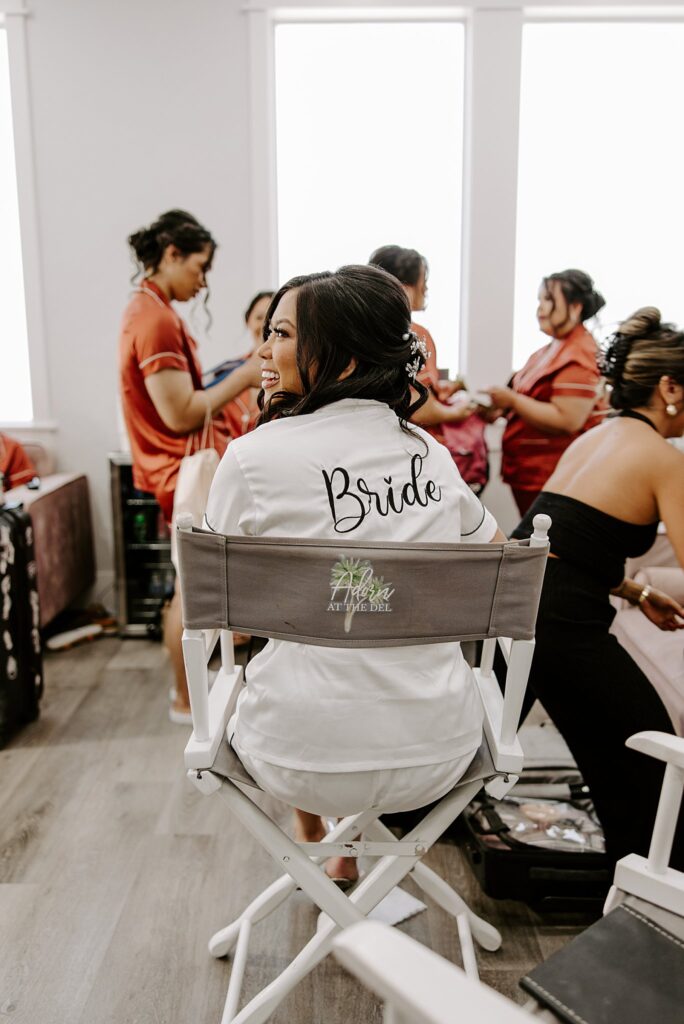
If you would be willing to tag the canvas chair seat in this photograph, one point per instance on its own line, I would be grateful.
(228, 765)
(486, 591)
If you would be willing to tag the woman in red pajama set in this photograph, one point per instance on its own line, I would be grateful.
(555, 397)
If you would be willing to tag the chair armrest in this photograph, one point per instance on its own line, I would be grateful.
(502, 712)
(200, 754)
(424, 987)
(661, 745)
(507, 757)
(652, 879)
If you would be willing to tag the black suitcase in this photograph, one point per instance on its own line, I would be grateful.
(569, 874)
(21, 662)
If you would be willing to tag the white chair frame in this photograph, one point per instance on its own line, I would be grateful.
(212, 706)
(419, 987)
(416, 985)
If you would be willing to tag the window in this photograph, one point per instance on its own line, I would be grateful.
(601, 152)
(15, 384)
(369, 121)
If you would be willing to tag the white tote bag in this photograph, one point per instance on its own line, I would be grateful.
(196, 472)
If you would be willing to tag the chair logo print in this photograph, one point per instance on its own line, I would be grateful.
(354, 587)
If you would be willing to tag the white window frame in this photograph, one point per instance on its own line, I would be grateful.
(494, 31)
(13, 16)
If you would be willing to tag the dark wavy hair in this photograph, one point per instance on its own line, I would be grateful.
(257, 298)
(576, 286)
(404, 264)
(359, 314)
(175, 227)
(638, 355)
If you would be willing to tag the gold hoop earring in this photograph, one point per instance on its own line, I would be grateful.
(671, 409)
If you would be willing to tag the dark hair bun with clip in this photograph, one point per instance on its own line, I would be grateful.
(578, 286)
(627, 388)
(175, 227)
(613, 359)
(641, 323)
(145, 245)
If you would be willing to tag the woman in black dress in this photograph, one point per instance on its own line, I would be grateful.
(608, 493)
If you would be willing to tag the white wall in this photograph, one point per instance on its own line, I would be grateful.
(137, 107)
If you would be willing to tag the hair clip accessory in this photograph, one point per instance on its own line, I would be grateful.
(405, 337)
(419, 353)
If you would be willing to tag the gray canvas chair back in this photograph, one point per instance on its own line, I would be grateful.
(350, 594)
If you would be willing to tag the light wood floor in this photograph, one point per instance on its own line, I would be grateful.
(114, 871)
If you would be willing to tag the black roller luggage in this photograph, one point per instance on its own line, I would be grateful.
(21, 663)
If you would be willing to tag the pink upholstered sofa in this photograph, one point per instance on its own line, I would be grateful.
(659, 655)
(63, 533)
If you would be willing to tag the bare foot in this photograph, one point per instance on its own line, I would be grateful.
(309, 828)
(342, 867)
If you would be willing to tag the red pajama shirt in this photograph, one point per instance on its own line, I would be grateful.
(15, 465)
(561, 369)
(154, 338)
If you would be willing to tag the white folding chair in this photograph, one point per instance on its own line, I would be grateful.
(419, 987)
(416, 985)
(486, 591)
(651, 878)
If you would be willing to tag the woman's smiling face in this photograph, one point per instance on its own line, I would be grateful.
(279, 352)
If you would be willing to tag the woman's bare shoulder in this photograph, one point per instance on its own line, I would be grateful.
(668, 456)
(617, 450)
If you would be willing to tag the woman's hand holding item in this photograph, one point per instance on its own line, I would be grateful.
(561, 415)
(502, 398)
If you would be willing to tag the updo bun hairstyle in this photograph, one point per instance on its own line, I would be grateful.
(577, 286)
(638, 355)
(175, 227)
(404, 264)
(360, 315)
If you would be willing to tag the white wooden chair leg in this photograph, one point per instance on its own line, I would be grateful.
(367, 894)
(238, 972)
(260, 1008)
(465, 938)
(441, 892)
(287, 854)
(447, 898)
(221, 943)
(271, 898)
(380, 880)
(339, 911)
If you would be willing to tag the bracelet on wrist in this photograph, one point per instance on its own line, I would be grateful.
(644, 595)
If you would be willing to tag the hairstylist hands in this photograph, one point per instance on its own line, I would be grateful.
(502, 398)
